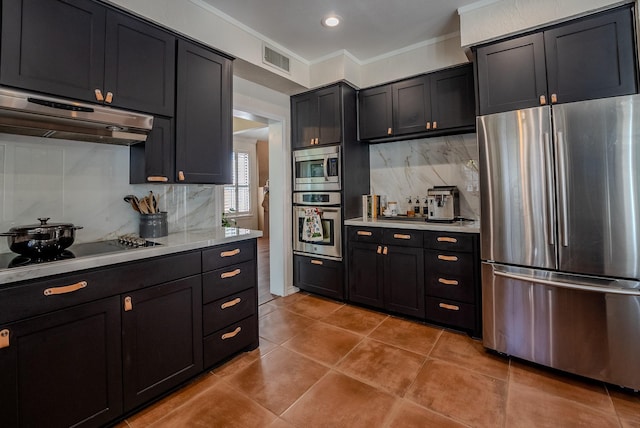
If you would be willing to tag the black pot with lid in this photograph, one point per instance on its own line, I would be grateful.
(41, 241)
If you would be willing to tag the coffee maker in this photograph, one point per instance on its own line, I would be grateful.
(443, 204)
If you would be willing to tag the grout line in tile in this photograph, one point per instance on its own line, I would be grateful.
(302, 395)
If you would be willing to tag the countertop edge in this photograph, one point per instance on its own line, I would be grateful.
(171, 244)
(462, 227)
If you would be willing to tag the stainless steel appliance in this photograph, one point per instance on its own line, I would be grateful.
(317, 169)
(560, 233)
(328, 207)
(45, 116)
(443, 204)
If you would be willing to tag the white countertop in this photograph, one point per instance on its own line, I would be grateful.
(173, 243)
(417, 224)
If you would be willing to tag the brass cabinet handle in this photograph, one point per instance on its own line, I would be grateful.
(230, 253)
(231, 274)
(554, 98)
(109, 98)
(543, 100)
(379, 250)
(447, 239)
(364, 233)
(447, 281)
(317, 262)
(128, 304)
(99, 96)
(230, 303)
(449, 307)
(401, 236)
(389, 131)
(4, 338)
(428, 125)
(448, 258)
(435, 124)
(234, 333)
(157, 178)
(181, 175)
(65, 289)
(385, 250)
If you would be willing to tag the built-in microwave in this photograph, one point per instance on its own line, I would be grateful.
(316, 169)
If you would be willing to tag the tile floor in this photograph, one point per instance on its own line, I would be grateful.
(325, 364)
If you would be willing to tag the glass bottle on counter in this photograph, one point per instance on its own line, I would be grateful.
(416, 207)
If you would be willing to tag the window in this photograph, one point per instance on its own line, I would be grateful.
(237, 196)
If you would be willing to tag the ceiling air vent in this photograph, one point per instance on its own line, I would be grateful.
(272, 57)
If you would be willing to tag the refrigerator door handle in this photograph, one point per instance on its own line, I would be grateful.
(562, 189)
(571, 286)
(549, 191)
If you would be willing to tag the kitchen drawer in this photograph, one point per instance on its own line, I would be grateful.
(403, 237)
(226, 255)
(365, 234)
(29, 299)
(445, 262)
(230, 309)
(321, 276)
(452, 313)
(229, 340)
(447, 241)
(452, 286)
(228, 280)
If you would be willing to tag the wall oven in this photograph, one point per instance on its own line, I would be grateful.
(316, 169)
(322, 209)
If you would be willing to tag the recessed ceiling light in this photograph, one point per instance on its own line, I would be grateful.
(331, 21)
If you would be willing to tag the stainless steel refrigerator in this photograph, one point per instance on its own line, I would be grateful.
(560, 236)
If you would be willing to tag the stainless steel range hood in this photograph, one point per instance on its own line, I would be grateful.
(36, 115)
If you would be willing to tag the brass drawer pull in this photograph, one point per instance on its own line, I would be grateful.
(447, 239)
(389, 131)
(543, 100)
(435, 124)
(99, 96)
(317, 262)
(65, 289)
(109, 98)
(128, 304)
(231, 274)
(379, 250)
(448, 258)
(364, 233)
(385, 250)
(554, 98)
(230, 303)
(428, 125)
(449, 307)
(157, 178)
(230, 253)
(447, 281)
(234, 333)
(401, 236)
(4, 338)
(181, 176)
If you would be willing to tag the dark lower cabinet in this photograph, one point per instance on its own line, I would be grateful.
(404, 280)
(161, 338)
(320, 276)
(64, 368)
(365, 274)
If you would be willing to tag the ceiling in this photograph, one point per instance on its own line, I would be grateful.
(369, 28)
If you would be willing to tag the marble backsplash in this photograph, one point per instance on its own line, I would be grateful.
(84, 183)
(405, 169)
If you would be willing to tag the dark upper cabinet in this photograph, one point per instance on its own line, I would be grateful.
(375, 111)
(438, 103)
(203, 116)
(154, 160)
(139, 65)
(80, 49)
(592, 57)
(64, 368)
(316, 117)
(162, 338)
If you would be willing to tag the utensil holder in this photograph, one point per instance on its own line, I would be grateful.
(153, 225)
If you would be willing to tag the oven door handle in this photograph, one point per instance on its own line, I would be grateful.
(326, 168)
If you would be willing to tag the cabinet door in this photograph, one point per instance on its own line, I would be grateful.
(162, 338)
(365, 274)
(375, 113)
(64, 368)
(512, 74)
(329, 114)
(154, 160)
(404, 280)
(203, 116)
(452, 98)
(321, 276)
(592, 58)
(411, 106)
(304, 120)
(140, 65)
(54, 46)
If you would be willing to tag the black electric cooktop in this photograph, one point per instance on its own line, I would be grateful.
(87, 249)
